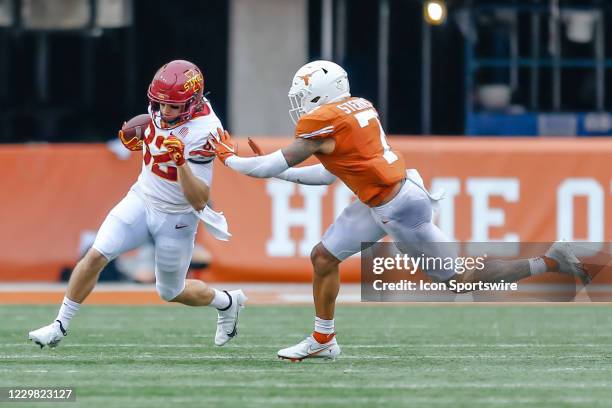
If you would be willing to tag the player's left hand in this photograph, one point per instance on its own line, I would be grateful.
(224, 146)
(176, 148)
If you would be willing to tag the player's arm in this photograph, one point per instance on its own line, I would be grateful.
(195, 190)
(269, 165)
(315, 175)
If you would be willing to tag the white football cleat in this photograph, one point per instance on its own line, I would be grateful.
(49, 335)
(310, 348)
(227, 322)
(569, 264)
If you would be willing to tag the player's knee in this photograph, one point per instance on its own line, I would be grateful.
(322, 260)
(167, 293)
(93, 260)
(168, 287)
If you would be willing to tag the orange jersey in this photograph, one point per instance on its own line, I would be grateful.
(362, 158)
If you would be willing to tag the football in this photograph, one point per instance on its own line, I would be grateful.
(136, 126)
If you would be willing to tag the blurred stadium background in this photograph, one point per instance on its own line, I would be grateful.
(534, 71)
(504, 104)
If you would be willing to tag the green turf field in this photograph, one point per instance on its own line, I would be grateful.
(422, 356)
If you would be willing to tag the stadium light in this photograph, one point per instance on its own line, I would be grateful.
(434, 12)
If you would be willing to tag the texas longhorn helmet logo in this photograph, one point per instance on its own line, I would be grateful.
(306, 78)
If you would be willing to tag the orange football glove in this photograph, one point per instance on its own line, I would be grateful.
(224, 145)
(176, 148)
(255, 148)
(134, 144)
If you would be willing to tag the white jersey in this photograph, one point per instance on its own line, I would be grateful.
(158, 180)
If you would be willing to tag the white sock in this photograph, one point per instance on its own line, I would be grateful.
(221, 300)
(67, 312)
(324, 326)
(537, 265)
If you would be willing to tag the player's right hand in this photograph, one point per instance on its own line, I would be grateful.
(224, 146)
(134, 143)
(176, 148)
(255, 147)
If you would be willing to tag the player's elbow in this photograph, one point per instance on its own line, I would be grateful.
(199, 207)
(254, 175)
(322, 182)
(261, 173)
(199, 203)
(329, 180)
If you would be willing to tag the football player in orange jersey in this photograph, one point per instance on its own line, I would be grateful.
(345, 134)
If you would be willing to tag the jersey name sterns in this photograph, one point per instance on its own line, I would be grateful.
(362, 158)
(158, 180)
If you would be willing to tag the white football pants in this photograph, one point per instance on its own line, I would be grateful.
(131, 223)
(407, 218)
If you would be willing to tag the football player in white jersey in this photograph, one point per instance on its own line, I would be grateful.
(173, 187)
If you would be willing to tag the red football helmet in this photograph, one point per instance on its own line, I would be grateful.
(179, 82)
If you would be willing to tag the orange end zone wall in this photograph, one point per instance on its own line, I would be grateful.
(52, 193)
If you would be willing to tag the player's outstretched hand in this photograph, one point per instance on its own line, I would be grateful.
(255, 147)
(224, 146)
(176, 148)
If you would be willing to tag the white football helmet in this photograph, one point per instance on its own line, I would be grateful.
(315, 84)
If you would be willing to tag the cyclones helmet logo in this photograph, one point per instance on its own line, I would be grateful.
(194, 81)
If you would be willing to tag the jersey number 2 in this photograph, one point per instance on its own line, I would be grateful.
(364, 118)
(171, 173)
